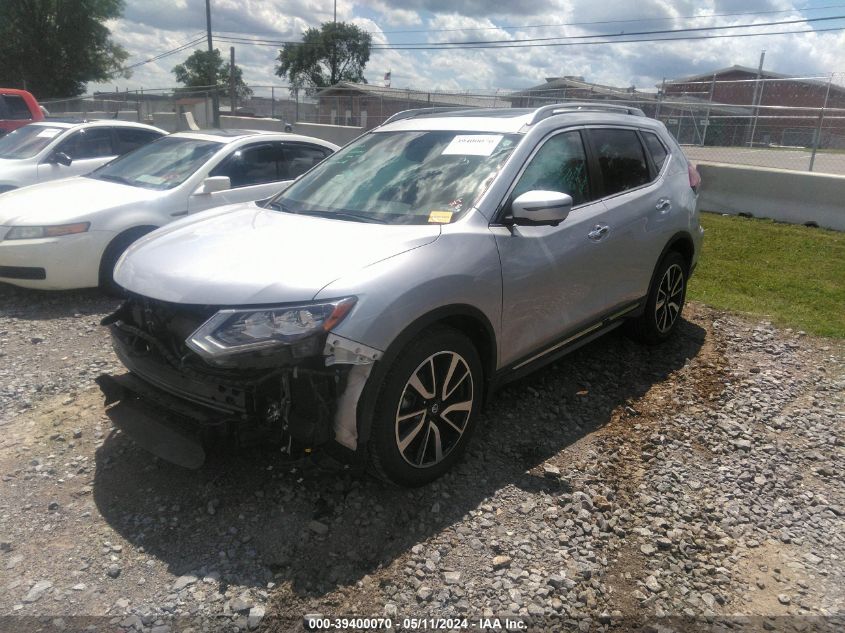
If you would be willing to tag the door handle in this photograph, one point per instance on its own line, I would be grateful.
(598, 232)
(664, 204)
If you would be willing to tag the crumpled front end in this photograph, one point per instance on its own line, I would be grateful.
(177, 400)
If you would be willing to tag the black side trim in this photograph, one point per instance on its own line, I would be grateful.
(22, 272)
(565, 344)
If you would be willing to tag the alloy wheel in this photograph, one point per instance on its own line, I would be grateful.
(670, 296)
(434, 409)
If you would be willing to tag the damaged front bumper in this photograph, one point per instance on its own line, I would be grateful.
(177, 405)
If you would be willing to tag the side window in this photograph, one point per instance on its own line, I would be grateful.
(129, 139)
(300, 158)
(16, 108)
(656, 149)
(249, 166)
(621, 159)
(560, 165)
(94, 142)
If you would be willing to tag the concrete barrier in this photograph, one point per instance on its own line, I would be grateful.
(337, 134)
(251, 123)
(789, 196)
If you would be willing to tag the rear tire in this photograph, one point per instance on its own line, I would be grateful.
(664, 303)
(112, 253)
(427, 408)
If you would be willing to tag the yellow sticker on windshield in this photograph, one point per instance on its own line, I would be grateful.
(440, 217)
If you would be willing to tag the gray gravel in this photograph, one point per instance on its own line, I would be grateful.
(621, 486)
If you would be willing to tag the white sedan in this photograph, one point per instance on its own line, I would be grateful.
(49, 150)
(69, 233)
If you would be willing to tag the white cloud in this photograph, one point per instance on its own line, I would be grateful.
(150, 27)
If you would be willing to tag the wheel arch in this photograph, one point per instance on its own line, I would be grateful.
(135, 233)
(467, 319)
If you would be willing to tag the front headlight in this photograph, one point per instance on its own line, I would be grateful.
(301, 327)
(36, 232)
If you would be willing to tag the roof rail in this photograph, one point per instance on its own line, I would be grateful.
(410, 114)
(546, 111)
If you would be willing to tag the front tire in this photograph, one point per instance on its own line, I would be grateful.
(665, 302)
(427, 408)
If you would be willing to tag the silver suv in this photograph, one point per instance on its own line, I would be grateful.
(370, 308)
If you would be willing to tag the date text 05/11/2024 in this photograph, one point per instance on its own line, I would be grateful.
(323, 623)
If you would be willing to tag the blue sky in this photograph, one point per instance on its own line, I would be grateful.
(150, 27)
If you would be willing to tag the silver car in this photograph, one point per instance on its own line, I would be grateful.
(370, 308)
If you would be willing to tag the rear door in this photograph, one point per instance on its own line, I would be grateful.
(14, 113)
(88, 149)
(637, 211)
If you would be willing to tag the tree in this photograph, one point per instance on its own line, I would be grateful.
(197, 71)
(53, 48)
(335, 52)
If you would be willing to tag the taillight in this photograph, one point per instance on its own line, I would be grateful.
(694, 177)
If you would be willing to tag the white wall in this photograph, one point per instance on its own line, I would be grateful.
(337, 134)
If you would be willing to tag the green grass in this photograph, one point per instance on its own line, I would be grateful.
(792, 275)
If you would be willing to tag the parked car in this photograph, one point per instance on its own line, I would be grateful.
(17, 108)
(58, 149)
(69, 233)
(371, 307)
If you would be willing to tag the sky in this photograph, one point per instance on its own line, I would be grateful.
(151, 27)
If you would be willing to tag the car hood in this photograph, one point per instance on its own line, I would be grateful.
(67, 200)
(249, 255)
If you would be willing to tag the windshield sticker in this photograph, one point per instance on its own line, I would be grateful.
(151, 180)
(473, 144)
(440, 217)
(50, 132)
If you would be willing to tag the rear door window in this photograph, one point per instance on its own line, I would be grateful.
(130, 138)
(16, 108)
(95, 142)
(559, 165)
(621, 159)
(656, 149)
(299, 158)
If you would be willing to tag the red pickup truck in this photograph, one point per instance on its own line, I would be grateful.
(17, 108)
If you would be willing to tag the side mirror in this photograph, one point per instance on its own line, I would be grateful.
(539, 208)
(214, 184)
(60, 158)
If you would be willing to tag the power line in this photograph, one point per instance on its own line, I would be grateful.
(632, 33)
(553, 41)
(172, 51)
(441, 47)
(628, 20)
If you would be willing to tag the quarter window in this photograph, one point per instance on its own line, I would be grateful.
(621, 159)
(560, 165)
(656, 149)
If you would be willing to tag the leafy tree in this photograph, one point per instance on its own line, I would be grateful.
(55, 47)
(198, 69)
(334, 52)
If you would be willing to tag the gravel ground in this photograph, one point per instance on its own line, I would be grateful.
(693, 485)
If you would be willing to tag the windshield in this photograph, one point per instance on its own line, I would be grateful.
(401, 177)
(27, 141)
(163, 164)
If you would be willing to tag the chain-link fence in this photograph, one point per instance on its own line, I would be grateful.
(739, 116)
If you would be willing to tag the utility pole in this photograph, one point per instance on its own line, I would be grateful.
(232, 91)
(212, 70)
(754, 104)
